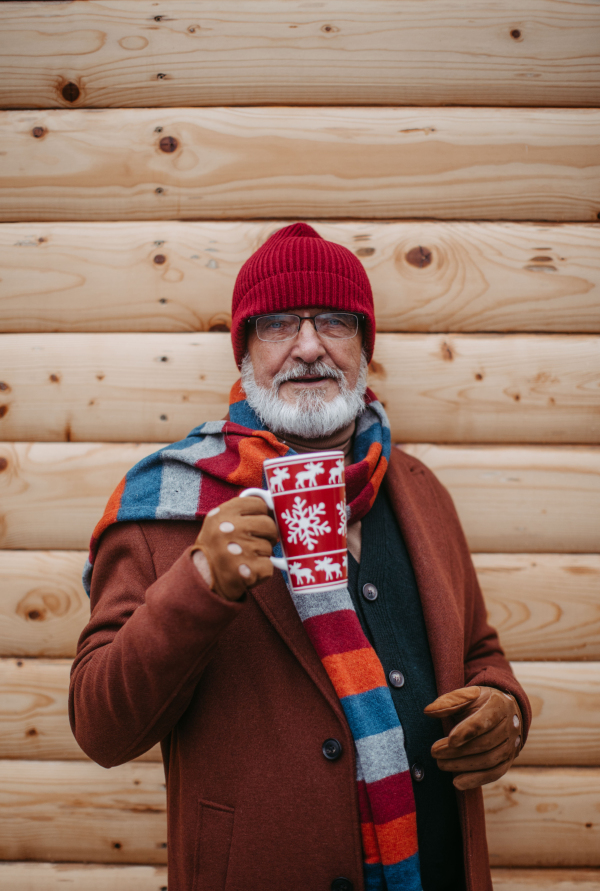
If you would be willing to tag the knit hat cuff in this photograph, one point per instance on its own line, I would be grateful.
(286, 291)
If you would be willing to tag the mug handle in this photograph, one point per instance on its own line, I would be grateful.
(278, 562)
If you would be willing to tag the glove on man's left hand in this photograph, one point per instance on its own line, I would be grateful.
(487, 739)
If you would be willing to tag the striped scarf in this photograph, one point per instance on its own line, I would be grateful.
(214, 463)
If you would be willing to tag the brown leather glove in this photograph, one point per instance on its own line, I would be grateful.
(485, 741)
(237, 540)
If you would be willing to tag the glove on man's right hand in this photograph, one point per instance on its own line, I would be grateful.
(237, 540)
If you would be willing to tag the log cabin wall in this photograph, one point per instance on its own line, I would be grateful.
(147, 148)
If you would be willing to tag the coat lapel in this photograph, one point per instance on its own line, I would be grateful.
(422, 525)
(275, 601)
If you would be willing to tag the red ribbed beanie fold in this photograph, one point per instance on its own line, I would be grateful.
(295, 268)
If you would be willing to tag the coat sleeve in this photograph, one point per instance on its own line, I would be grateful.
(484, 661)
(144, 649)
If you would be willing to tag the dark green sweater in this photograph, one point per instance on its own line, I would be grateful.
(394, 624)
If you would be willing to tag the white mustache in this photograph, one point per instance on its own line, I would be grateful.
(303, 369)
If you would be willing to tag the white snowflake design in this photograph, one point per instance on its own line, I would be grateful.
(304, 522)
(343, 518)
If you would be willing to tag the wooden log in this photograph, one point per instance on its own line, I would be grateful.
(565, 698)
(540, 816)
(536, 499)
(30, 876)
(34, 718)
(241, 163)
(435, 387)
(207, 53)
(545, 606)
(544, 879)
(78, 811)
(43, 607)
(515, 499)
(34, 721)
(179, 276)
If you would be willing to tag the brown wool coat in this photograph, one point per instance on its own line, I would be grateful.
(241, 703)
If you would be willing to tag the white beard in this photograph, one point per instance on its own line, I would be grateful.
(310, 416)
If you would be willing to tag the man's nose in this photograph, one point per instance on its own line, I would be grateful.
(308, 346)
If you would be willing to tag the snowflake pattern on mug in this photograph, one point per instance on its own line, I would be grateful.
(304, 522)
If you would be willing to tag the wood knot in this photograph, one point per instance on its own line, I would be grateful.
(55, 378)
(34, 615)
(478, 376)
(447, 354)
(3, 410)
(160, 76)
(159, 190)
(4, 386)
(159, 259)
(3, 463)
(38, 132)
(419, 257)
(70, 92)
(168, 144)
(32, 732)
(219, 326)
(365, 252)
(515, 34)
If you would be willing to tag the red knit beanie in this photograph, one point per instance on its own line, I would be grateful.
(296, 267)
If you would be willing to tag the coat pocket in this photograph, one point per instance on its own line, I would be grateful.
(214, 828)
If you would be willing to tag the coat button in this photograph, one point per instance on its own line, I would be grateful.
(370, 592)
(332, 749)
(342, 884)
(417, 772)
(396, 678)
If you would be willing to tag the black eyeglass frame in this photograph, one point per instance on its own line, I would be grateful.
(359, 316)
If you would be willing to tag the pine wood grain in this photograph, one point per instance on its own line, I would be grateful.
(529, 499)
(53, 494)
(510, 499)
(565, 696)
(34, 718)
(43, 607)
(565, 699)
(544, 879)
(200, 52)
(538, 816)
(241, 163)
(76, 811)
(179, 276)
(435, 388)
(545, 606)
(29, 876)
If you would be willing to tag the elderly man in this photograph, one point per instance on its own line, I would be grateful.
(194, 640)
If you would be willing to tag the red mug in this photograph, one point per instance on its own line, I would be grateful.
(307, 494)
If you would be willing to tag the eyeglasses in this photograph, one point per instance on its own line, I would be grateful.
(278, 327)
